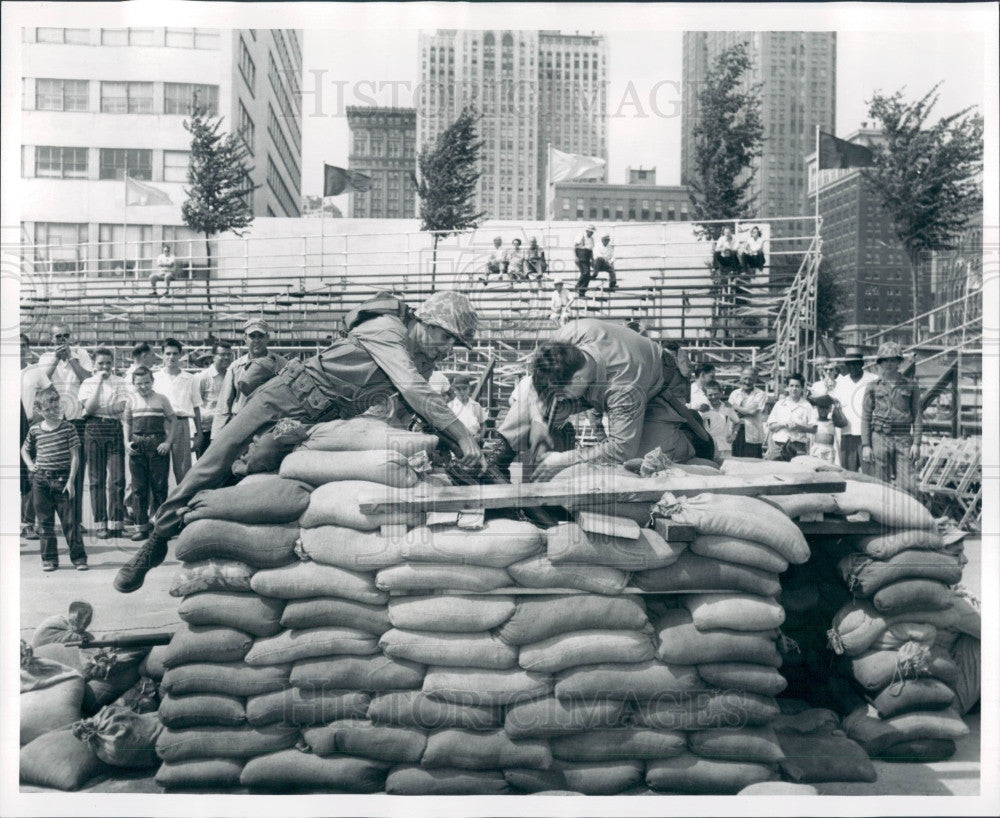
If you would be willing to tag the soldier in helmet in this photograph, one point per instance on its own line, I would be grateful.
(388, 351)
(891, 423)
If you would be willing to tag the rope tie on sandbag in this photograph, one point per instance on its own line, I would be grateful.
(27, 654)
(856, 564)
(86, 731)
(667, 505)
(786, 644)
(834, 641)
(911, 659)
(300, 551)
(101, 664)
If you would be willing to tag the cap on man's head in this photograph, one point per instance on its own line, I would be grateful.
(853, 354)
(888, 350)
(591, 228)
(257, 325)
(558, 283)
(606, 236)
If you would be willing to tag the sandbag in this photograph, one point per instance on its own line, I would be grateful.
(887, 505)
(694, 573)
(618, 744)
(535, 781)
(305, 707)
(742, 552)
(59, 760)
(339, 504)
(809, 720)
(200, 773)
(967, 653)
(899, 633)
(152, 666)
(109, 673)
(222, 742)
(541, 572)
(202, 710)
(487, 688)
(259, 546)
(735, 612)
(360, 737)
(876, 669)
(688, 773)
(855, 628)
(211, 575)
(865, 576)
(499, 543)
(317, 612)
(699, 711)
(913, 694)
(414, 780)
(439, 577)
(910, 595)
(478, 650)
(886, 546)
(291, 646)
(413, 708)
(307, 579)
(385, 466)
(347, 548)
(549, 716)
(587, 647)
(483, 750)
(206, 643)
(260, 499)
(639, 682)
(228, 678)
(681, 643)
(918, 751)
(796, 505)
(757, 745)
(250, 613)
(121, 737)
(817, 758)
(568, 543)
(51, 696)
(365, 434)
(746, 518)
(597, 778)
(450, 613)
(755, 467)
(376, 673)
(876, 735)
(763, 680)
(539, 617)
(292, 770)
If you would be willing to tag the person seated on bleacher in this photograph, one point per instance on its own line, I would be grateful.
(604, 261)
(724, 257)
(535, 265)
(166, 270)
(752, 251)
(559, 306)
(514, 262)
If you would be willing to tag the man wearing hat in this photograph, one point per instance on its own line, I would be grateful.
(389, 351)
(604, 261)
(849, 392)
(891, 422)
(246, 373)
(584, 249)
(560, 303)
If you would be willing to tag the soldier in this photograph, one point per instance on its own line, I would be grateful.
(891, 422)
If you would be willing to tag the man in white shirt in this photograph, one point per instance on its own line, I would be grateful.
(749, 403)
(725, 257)
(166, 270)
(559, 306)
(470, 412)
(849, 393)
(584, 251)
(209, 384)
(604, 261)
(699, 388)
(791, 422)
(495, 261)
(181, 390)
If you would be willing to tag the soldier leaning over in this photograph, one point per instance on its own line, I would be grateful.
(891, 422)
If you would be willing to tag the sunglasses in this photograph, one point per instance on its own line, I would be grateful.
(62, 336)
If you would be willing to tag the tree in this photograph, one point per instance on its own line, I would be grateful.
(219, 183)
(449, 171)
(830, 294)
(928, 178)
(727, 138)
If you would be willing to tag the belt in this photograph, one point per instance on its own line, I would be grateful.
(103, 419)
(50, 472)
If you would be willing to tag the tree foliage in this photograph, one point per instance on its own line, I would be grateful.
(449, 171)
(831, 293)
(928, 177)
(727, 138)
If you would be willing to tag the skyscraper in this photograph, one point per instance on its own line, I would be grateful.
(382, 146)
(798, 73)
(531, 88)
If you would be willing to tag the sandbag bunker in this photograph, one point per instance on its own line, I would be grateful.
(648, 640)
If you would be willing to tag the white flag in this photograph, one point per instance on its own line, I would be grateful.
(567, 166)
(143, 195)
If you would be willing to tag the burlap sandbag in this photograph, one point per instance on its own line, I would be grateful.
(487, 688)
(886, 546)
(866, 576)
(549, 716)
(541, 572)
(479, 650)
(688, 773)
(202, 710)
(51, 695)
(763, 680)
(601, 778)
(855, 628)
(413, 708)
(121, 737)
(967, 653)
(912, 595)
(366, 434)
(227, 678)
(587, 647)
(360, 737)
(618, 744)
(681, 643)
(348, 548)
(385, 466)
(536, 781)
(211, 575)
(641, 681)
(539, 617)
(415, 780)
(876, 669)
(200, 774)
(568, 543)
(305, 707)
(887, 505)
(876, 735)
(742, 552)
(758, 745)
(339, 504)
(899, 633)
(483, 750)
(249, 613)
(206, 643)
(294, 770)
(497, 544)
(918, 751)
(260, 499)
(317, 612)
(58, 760)
(308, 579)
(819, 757)
(796, 505)
(699, 711)
(735, 612)
(259, 546)
(693, 573)
(223, 742)
(909, 695)
(429, 577)
(293, 645)
(375, 672)
(450, 613)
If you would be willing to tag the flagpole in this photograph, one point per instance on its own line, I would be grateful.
(125, 225)
(817, 183)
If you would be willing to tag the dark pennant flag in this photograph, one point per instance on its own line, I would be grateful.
(337, 180)
(838, 153)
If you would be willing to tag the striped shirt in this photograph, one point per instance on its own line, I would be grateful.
(146, 415)
(53, 448)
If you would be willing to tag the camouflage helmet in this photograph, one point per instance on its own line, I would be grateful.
(890, 349)
(452, 312)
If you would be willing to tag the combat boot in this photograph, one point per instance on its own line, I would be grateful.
(132, 574)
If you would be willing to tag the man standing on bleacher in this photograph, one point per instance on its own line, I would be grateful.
(389, 350)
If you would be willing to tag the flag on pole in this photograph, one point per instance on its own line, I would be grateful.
(337, 180)
(839, 153)
(140, 194)
(568, 166)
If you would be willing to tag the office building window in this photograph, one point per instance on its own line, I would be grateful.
(69, 36)
(127, 36)
(120, 251)
(247, 67)
(246, 129)
(658, 211)
(593, 210)
(619, 212)
(204, 38)
(631, 209)
(115, 161)
(60, 163)
(360, 144)
(565, 205)
(645, 210)
(278, 137)
(280, 189)
(126, 97)
(180, 98)
(671, 213)
(579, 208)
(62, 95)
(175, 165)
(61, 246)
(606, 209)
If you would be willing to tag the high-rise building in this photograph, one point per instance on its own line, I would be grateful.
(798, 72)
(382, 146)
(532, 88)
(100, 102)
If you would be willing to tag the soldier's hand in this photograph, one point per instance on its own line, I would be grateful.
(915, 452)
(551, 464)
(472, 457)
(866, 455)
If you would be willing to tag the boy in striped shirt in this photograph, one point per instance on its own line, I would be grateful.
(51, 451)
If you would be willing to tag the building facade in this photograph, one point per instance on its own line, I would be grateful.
(383, 144)
(98, 103)
(797, 71)
(630, 202)
(532, 88)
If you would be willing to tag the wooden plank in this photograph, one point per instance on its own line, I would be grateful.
(840, 527)
(674, 532)
(563, 493)
(472, 519)
(594, 523)
(442, 518)
(519, 591)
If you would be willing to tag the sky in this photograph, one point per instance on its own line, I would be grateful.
(381, 67)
